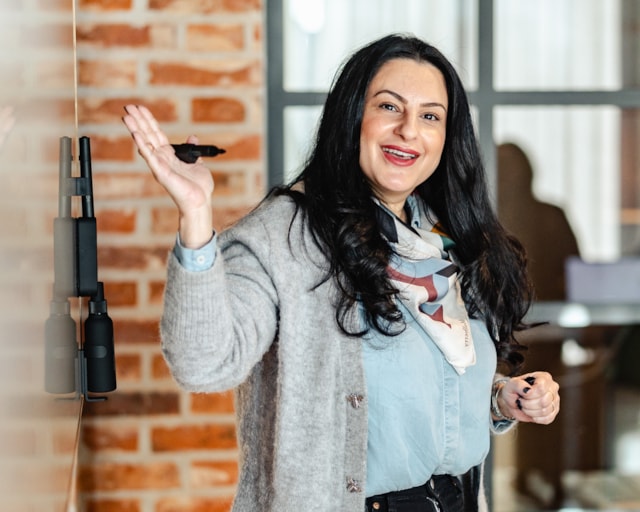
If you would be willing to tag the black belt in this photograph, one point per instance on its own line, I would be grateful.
(440, 494)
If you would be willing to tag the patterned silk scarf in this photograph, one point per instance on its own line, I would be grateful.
(427, 280)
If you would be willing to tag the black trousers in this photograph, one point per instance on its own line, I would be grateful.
(442, 493)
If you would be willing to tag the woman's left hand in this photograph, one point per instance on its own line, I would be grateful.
(532, 397)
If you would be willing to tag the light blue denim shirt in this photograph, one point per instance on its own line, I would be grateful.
(424, 418)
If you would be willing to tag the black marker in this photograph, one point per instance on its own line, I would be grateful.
(189, 153)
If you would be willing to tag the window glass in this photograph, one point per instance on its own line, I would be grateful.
(575, 157)
(36, 109)
(320, 34)
(300, 125)
(557, 44)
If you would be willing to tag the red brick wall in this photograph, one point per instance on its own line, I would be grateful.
(198, 65)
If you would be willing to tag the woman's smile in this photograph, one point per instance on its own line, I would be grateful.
(399, 156)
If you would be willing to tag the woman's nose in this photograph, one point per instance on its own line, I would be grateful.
(407, 126)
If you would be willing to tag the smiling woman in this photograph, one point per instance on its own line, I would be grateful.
(363, 305)
(403, 129)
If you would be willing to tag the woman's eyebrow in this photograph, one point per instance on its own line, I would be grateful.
(403, 100)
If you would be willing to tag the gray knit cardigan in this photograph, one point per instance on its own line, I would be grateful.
(262, 321)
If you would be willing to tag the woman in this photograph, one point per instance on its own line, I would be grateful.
(362, 341)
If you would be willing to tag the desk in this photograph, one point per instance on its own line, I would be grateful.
(573, 314)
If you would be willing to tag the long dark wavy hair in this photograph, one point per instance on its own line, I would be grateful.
(337, 206)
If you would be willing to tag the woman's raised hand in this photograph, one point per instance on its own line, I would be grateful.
(189, 185)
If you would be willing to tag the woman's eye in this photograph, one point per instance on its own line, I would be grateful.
(388, 106)
(430, 117)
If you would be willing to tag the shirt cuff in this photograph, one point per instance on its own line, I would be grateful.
(196, 260)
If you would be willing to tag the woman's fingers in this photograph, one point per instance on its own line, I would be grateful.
(538, 397)
(149, 125)
(533, 397)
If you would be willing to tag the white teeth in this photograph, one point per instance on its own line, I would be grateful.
(398, 153)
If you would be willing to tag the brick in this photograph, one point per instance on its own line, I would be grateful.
(229, 184)
(135, 331)
(127, 185)
(111, 110)
(112, 476)
(104, 148)
(134, 404)
(156, 36)
(113, 505)
(128, 367)
(133, 257)
(109, 35)
(206, 474)
(258, 36)
(241, 5)
(191, 504)
(159, 368)
(193, 437)
(116, 221)
(212, 403)
(100, 438)
(214, 38)
(121, 293)
(184, 6)
(156, 292)
(243, 148)
(205, 73)
(107, 74)
(217, 110)
(164, 220)
(105, 5)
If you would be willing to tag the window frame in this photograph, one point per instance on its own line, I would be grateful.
(484, 99)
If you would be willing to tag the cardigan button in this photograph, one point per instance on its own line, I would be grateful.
(353, 485)
(355, 400)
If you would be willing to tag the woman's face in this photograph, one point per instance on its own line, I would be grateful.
(403, 129)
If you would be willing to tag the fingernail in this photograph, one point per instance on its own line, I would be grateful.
(526, 390)
(519, 404)
(530, 380)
